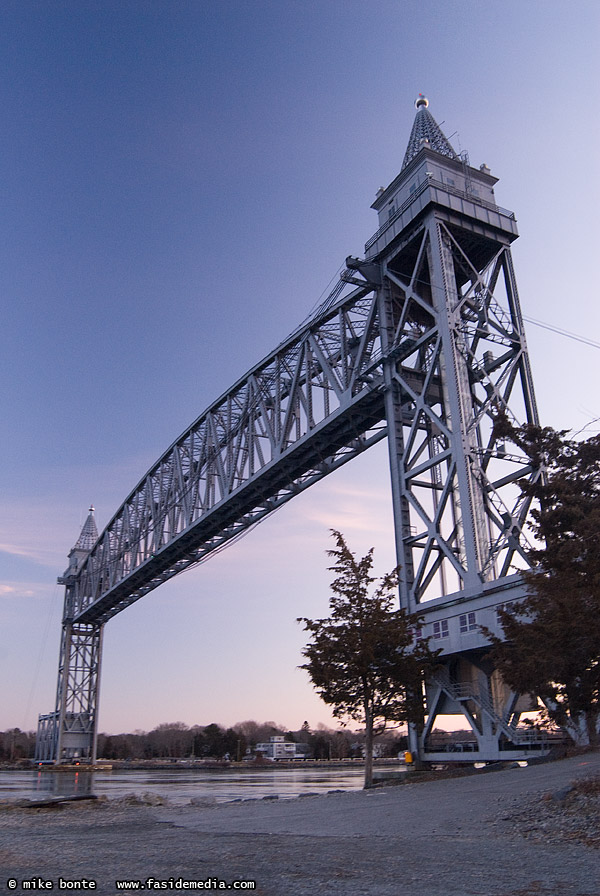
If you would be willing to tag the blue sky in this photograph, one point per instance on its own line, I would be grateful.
(180, 181)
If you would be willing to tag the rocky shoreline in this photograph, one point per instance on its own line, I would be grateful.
(570, 814)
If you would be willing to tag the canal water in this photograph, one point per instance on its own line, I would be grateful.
(178, 786)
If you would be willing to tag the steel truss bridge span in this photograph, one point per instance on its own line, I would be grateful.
(305, 410)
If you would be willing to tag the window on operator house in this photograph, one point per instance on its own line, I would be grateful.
(467, 623)
(507, 606)
(440, 629)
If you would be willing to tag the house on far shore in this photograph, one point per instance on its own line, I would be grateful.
(279, 748)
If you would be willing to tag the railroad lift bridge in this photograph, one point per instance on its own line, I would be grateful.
(421, 342)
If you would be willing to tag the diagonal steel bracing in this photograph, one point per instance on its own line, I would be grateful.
(456, 357)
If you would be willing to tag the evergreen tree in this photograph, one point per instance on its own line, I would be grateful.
(552, 638)
(364, 660)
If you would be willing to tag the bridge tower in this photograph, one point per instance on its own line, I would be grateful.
(427, 349)
(454, 357)
(70, 732)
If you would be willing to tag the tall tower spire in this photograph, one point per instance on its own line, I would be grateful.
(426, 132)
(89, 534)
(84, 544)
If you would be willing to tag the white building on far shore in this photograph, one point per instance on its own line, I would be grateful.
(279, 748)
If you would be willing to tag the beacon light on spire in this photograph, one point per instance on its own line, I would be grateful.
(426, 131)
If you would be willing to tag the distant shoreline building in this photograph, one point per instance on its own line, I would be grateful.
(280, 748)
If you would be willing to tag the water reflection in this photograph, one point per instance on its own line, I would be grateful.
(179, 787)
(68, 783)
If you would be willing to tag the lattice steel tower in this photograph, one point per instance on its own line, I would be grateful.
(426, 349)
(456, 356)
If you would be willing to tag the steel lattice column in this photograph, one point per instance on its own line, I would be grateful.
(70, 732)
(454, 360)
(77, 691)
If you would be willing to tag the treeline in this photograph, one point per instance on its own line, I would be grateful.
(16, 744)
(175, 740)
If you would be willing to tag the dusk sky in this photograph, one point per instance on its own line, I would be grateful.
(180, 183)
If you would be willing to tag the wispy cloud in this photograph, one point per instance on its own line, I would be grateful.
(16, 550)
(19, 590)
(353, 508)
(42, 556)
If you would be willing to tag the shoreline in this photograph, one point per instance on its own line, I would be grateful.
(199, 764)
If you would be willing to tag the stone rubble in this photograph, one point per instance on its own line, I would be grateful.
(571, 814)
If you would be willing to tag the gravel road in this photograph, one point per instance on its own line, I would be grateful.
(516, 832)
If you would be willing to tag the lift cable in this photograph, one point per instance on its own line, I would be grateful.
(575, 336)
